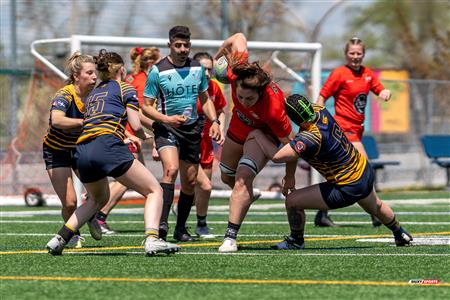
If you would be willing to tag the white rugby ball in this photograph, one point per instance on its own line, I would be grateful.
(221, 69)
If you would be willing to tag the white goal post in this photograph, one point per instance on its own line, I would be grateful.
(77, 41)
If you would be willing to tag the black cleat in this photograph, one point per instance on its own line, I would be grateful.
(402, 238)
(182, 235)
(323, 220)
(163, 233)
(375, 221)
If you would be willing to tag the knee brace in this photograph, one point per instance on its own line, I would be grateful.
(227, 170)
(249, 163)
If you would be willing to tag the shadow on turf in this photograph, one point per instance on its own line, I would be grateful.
(309, 249)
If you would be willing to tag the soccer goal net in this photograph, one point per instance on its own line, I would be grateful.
(295, 67)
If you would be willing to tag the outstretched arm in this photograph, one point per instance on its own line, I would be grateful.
(235, 43)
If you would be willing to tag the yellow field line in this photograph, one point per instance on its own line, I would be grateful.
(214, 244)
(229, 281)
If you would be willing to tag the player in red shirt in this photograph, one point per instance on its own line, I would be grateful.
(204, 187)
(350, 85)
(143, 60)
(258, 104)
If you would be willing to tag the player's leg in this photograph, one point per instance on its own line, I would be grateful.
(202, 195)
(251, 163)
(231, 154)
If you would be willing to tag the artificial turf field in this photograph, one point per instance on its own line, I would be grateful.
(352, 261)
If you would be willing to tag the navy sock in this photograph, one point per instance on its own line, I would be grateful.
(101, 216)
(201, 221)
(168, 192)
(66, 233)
(232, 230)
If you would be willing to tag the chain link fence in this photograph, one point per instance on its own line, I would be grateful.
(22, 166)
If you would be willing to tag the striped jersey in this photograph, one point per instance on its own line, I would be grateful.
(325, 147)
(177, 88)
(67, 101)
(106, 110)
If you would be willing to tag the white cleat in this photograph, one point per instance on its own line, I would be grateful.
(229, 245)
(95, 229)
(105, 228)
(154, 246)
(75, 242)
(56, 245)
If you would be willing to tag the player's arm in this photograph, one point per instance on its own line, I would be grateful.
(221, 117)
(59, 120)
(235, 43)
(271, 151)
(321, 100)
(149, 111)
(145, 121)
(210, 112)
(135, 123)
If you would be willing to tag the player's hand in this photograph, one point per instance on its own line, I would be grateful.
(155, 154)
(215, 132)
(288, 184)
(176, 120)
(385, 95)
(135, 141)
(222, 138)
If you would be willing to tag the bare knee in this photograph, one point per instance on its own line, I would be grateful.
(205, 185)
(171, 173)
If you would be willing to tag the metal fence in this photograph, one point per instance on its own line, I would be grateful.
(22, 166)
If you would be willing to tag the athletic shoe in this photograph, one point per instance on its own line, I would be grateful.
(56, 245)
(154, 246)
(323, 220)
(182, 235)
(203, 232)
(375, 221)
(105, 228)
(289, 243)
(402, 238)
(75, 242)
(94, 229)
(229, 245)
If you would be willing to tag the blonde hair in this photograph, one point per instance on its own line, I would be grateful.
(108, 64)
(143, 57)
(74, 65)
(355, 41)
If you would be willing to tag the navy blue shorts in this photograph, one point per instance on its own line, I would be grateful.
(58, 158)
(337, 196)
(185, 138)
(106, 155)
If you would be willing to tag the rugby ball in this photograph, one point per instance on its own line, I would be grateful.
(220, 68)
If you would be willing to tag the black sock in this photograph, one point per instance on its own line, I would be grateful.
(168, 191)
(77, 232)
(101, 216)
(393, 225)
(201, 221)
(184, 209)
(232, 230)
(66, 233)
(298, 235)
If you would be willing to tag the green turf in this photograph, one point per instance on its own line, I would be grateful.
(323, 260)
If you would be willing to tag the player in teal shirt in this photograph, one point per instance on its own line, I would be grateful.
(176, 82)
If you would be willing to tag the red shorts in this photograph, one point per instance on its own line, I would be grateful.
(133, 149)
(206, 152)
(352, 131)
(238, 131)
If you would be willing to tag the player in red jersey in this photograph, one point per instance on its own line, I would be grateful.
(203, 187)
(258, 104)
(143, 60)
(350, 85)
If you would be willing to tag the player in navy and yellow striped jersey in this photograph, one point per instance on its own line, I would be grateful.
(66, 121)
(349, 177)
(101, 152)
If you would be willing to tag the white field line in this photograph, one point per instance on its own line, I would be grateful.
(219, 222)
(416, 241)
(140, 211)
(131, 235)
(284, 253)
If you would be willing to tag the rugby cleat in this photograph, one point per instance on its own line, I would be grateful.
(289, 243)
(95, 229)
(105, 228)
(75, 242)
(182, 235)
(323, 220)
(402, 238)
(56, 245)
(154, 246)
(229, 245)
(203, 232)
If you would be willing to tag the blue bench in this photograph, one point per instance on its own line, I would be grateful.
(370, 145)
(437, 148)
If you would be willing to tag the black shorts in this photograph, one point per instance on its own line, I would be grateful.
(186, 138)
(58, 158)
(106, 155)
(337, 196)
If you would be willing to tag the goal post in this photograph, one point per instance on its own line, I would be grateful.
(77, 42)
